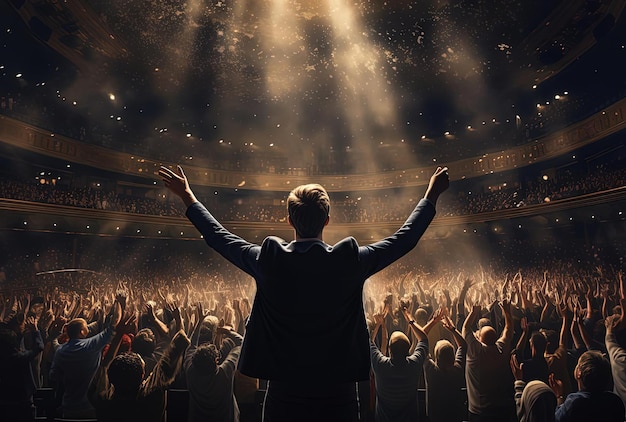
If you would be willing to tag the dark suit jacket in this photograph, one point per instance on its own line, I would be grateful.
(307, 319)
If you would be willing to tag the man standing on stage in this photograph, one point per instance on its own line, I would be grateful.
(307, 333)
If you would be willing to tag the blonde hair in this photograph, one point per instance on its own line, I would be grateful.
(308, 207)
(444, 354)
(75, 327)
(399, 344)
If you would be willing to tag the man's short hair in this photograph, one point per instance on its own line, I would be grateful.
(308, 207)
(594, 372)
(205, 358)
(484, 322)
(144, 342)
(488, 335)
(444, 354)
(75, 327)
(421, 316)
(399, 344)
(208, 329)
(126, 372)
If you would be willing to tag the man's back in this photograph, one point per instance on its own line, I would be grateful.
(488, 375)
(583, 406)
(309, 297)
(211, 393)
(74, 365)
(397, 381)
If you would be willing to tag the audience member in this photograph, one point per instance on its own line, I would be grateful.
(397, 376)
(489, 389)
(593, 400)
(445, 379)
(210, 375)
(120, 391)
(17, 384)
(76, 362)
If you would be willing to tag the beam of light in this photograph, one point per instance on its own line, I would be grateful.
(359, 67)
(286, 57)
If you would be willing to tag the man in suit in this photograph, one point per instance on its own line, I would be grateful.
(307, 333)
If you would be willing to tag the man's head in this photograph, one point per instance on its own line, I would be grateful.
(484, 322)
(77, 328)
(205, 359)
(421, 316)
(444, 354)
(593, 372)
(144, 342)
(399, 344)
(488, 335)
(126, 373)
(208, 329)
(308, 207)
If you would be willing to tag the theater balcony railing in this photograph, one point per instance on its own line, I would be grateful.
(27, 137)
(40, 217)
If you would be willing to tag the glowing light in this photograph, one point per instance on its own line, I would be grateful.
(112, 97)
(19, 75)
(544, 177)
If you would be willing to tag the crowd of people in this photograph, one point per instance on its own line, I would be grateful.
(117, 328)
(478, 336)
(362, 208)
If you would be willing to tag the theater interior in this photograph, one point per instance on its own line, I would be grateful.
(523, 101)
